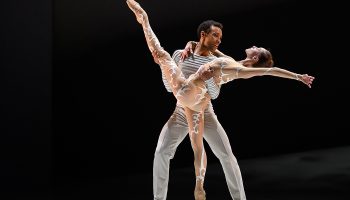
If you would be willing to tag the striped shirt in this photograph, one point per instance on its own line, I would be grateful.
(189, 66)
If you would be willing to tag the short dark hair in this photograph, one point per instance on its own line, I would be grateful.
(206, 26)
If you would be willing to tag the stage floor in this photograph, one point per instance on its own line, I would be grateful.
(312, 175)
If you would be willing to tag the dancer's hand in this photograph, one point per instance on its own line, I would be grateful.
(306, 79)
(187, 51)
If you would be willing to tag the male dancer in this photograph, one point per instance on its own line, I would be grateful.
(176, 128)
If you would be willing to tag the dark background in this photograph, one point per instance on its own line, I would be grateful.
(82, 99)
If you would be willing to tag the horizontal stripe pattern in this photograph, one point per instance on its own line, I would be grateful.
(190, 66)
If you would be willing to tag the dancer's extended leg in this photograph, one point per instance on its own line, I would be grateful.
(186, 91)
(172, 73)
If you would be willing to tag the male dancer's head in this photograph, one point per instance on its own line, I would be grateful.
(209, 34)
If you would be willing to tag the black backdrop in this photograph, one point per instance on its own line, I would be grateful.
(26, 98)
(83, 97)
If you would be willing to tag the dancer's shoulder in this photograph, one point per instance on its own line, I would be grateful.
(177, 52)
(177, 55)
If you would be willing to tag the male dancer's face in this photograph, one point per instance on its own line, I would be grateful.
(212, 39)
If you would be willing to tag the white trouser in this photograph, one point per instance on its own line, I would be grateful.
(172, 134)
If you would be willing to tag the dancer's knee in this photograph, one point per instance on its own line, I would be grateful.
(197, 150)
(164, 152)
(225, 156)
(162, 54)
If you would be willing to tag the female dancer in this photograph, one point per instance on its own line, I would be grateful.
(192, 94)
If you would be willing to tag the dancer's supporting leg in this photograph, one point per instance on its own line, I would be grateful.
(195, 122)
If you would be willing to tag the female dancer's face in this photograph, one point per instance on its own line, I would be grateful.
(254, 51)
(260, 57)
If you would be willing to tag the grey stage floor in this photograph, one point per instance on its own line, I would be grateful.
(313, 175)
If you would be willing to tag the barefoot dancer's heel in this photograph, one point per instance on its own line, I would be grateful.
(199, 195)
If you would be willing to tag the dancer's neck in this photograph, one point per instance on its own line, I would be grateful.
(201, 50)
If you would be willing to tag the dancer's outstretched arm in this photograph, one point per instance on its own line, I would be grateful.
(226, 69)
(248, 72)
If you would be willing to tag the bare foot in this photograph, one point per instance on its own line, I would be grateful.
(136, 8)
(199, 194)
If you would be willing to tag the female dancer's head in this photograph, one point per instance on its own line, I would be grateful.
(258, 57)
